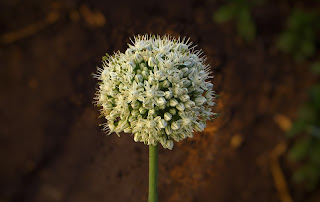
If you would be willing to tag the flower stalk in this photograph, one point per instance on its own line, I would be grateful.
(153, 173)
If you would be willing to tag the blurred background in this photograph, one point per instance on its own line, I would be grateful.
(265, 146)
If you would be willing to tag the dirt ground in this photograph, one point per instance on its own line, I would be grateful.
(52, 148)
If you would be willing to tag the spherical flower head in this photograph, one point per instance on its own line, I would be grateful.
(158, 90)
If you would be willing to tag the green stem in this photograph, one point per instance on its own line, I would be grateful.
(153, 174)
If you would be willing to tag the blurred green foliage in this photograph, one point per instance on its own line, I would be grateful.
(239, 11)
(315, 67)
(299, 40)
(299, 37)
(306, 146)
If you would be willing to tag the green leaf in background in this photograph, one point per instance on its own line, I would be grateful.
(245, 26)
(315, 132)
(297, 127)
(306, 149)
(315, 99)
(286, 41)
(307, 113)
(298, 39)
(239, 10)
(224, 13)
(315, 152)
(315, 67)
(300, 149)
(308, 174)
(307, 47)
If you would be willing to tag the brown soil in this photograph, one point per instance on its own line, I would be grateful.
(52, 148)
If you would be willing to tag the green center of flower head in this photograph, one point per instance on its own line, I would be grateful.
(156, 90)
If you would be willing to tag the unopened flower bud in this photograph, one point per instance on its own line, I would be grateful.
(158, 118)
(184, 90)
(103, 98)
(145, 68)
(185, 71)
(200, 100)
(209, 85)
(175, 125)
(198, 91)
(132, 64)
(165, 84)
(137, 137)
(183, 135)
(135, 104)
(161, 101)
(135, 113)
(186, 83)
(198, 126)
(145, 75)
(108, 106)
(151, 111)
(162, 123)
(190, 134)
(189, 63)
(168, 95)
(144, 137)
(122, 125)
(127, 130)
(168, 130)
(175, 78)
(128, 51)
(142, 110)
(138, 57)
(138, 78)
(184, 98)
(158, 75)
(114, 113)
(151, 141)
(113, 75)
(142, 66)
(132, 118)
(173, 111)
(152, 62)
(163, 107)
(210, 102)
(189, 104)
(169, 144)
(182, 47)
(175, 137)
(104, 74)
(167, 116)
(180, 106)
(173, 102)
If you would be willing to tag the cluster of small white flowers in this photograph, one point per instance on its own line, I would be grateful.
(156, 90)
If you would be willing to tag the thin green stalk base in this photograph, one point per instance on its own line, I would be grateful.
(153, 174)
